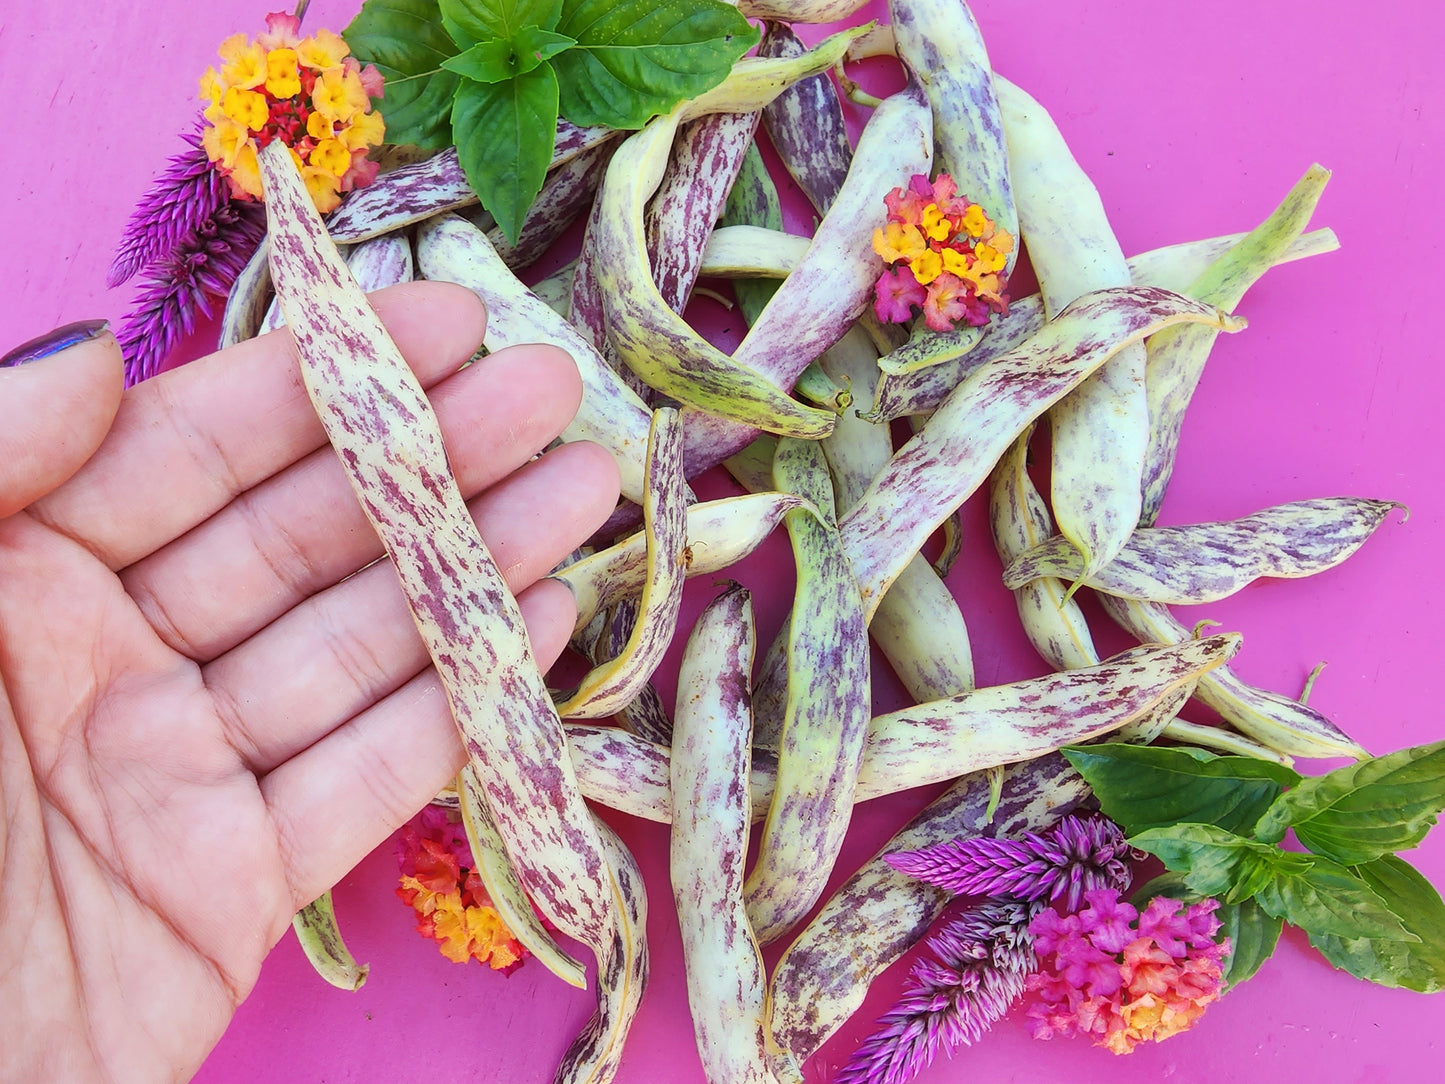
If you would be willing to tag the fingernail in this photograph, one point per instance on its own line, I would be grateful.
(53, 342)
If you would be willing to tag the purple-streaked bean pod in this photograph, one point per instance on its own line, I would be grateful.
(1176, 359)
(833, 282)
(817, 387)
(451, 249)
(386, 435)
(647, 335)
(409, 194)
(825, 717)
(705, 159)
(918, 626)
(940, 40)
(664, 508)
(1221, 740)
(623, 963)
(1003, 724)
(643, 715)
(1101, 429)
(1019, 520)
(719, 534)
(726, 982)
(1176, 267)
(752, 468)
(800, 11)
(248, 300)
(1205, 562)
(584, 306)
(320, 939)
(878, 914)
(566, 192)
(494, 867)
(921, 390)
(980, 730)
(942, 465)
(805, 125)
(1282, 724)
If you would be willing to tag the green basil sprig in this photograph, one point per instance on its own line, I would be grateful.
(1216, 823)
(492, 76)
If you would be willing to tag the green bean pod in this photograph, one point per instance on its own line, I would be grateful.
(1206, 562)
(1176, 360)
(825, 717)
(608, 687)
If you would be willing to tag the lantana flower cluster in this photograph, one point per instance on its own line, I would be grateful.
(946, 257)
(1121, 976)
(439, 881)
(308, 92)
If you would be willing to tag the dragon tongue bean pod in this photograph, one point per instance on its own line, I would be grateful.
(1176, 360)
(805, 124)
(726, 983)
(941, 466)
(451, 249)
(379, 420)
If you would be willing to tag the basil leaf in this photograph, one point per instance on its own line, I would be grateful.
(1326, 898)
(1218, 863)
(534, 46)
(637, 58)
(1390, 962)
(1166, 884)
(1253, 935)
(406, 42)
(1143, 786)
(472, 21)
(1365, 810)
(753, 201)
(486, 62)
(505, 133)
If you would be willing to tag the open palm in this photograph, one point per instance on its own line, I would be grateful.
(213, 702)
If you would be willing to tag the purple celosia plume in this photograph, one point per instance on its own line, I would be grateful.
(981, 960)
(1072, 857)
(203, 263)
(187, 193)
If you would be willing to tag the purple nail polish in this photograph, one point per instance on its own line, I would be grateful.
(53, 342)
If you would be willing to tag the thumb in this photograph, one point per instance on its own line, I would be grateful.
(58, 396)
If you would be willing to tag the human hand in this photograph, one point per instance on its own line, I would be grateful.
(212, 703)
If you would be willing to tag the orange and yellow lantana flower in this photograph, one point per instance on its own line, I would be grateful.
(310, 93)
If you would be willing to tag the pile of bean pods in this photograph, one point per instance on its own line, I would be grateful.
(1109, 351)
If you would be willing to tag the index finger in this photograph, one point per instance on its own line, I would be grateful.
(186, 443)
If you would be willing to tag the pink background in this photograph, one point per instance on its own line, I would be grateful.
(1193, 120)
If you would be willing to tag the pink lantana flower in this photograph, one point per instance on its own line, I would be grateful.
(895, 294)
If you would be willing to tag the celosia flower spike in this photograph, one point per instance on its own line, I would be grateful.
(1069, 859)
(977, 972)
(186, 194)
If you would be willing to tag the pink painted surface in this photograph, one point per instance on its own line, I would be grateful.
(1192, 121)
